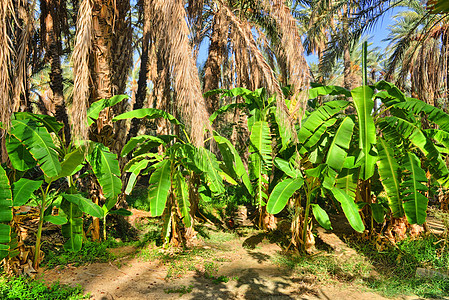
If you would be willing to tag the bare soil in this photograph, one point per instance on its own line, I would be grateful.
(251, 273)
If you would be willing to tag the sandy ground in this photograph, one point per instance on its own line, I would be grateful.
(252, 275)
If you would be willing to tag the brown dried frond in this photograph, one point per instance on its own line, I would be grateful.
(80, 59)
(291, 43)
(20, 69)
(187, 85)
(6, 53)
(244, 31)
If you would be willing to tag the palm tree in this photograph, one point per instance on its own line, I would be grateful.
(419, 49)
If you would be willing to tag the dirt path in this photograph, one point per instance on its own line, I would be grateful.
(250, 274)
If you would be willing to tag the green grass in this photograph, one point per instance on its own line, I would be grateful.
(397, 267)
(18, 288)
(390, 273)
(181, 290)
(90, 252)
(177, 262)
(325, 268)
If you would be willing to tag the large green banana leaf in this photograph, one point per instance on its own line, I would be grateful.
(350, 209)
(347, 181)
(285, 167)
(281, 193)
(415, 203)
(106, 168)
(135, 170)
(337, 152)
(321, 216)
(133, 142)
(48, 122)
(5, 214)
(95, 108)
(411, 132)
(73, 230)
(318, 117)
(21, 159)
(71, 164)
(23, 189)
(364, 104)
(149, 113)
(389, 172)
(233, 162)
(182, 197)
(40, 144)
(328, 90)
(208, 164)
(85, 205)
(261, 141)
(160, 184)
(433, 114)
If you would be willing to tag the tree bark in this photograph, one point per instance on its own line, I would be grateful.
(143, 73)
(212, 72)
(54, 52)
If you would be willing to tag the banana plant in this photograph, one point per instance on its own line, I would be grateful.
(389, 143)
(170, 190)
(33, 143)
(269, 136)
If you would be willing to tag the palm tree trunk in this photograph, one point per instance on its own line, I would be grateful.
(54, 52)
(143, 73)
(214, 60)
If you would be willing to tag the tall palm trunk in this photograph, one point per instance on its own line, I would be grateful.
(109, 64)
(54, 51)
(143, 73)
(214, 60)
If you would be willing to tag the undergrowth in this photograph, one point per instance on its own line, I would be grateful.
(397, 267)
(18, 288)
(90, 252)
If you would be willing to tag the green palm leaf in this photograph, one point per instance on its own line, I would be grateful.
(389, 172)
(364, 104)
(208, 164)
(340, 144)
(415, 203)
(233, 162)
(40, 144)
(160, 183)
(106, 168)
(5, 214)
(23, 189)
(281, 193)
(350, 209)
(149, 113)
(182, 197)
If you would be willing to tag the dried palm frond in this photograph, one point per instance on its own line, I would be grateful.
(187, 85)
(80, 59)
(293, 50)
(244, 30)
(6, 53)
(20, 71)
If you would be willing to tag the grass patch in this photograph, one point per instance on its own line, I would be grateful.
(397, 267)
(181, 290)
(90, 252)
(21, 288)
(325, 268)
(178, 262)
